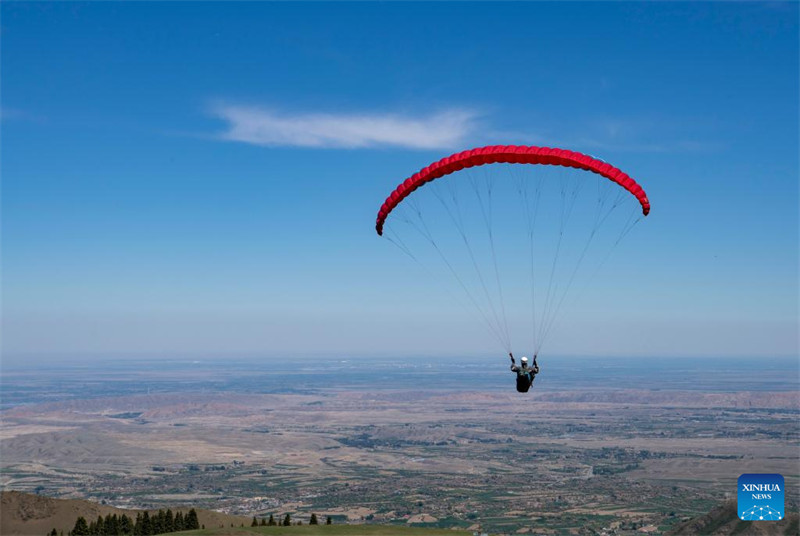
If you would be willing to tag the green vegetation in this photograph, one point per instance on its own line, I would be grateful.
(741, 527)
(145, 525)
(614, 469)
(328, 530)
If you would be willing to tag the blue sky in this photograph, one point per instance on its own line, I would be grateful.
(202, 178)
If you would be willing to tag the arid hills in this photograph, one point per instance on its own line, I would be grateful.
(26, 514)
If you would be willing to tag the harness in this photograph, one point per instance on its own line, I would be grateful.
(524, 380)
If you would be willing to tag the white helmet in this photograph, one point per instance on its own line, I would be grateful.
(524, 359)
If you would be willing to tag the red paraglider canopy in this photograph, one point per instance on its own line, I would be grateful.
(509, 154)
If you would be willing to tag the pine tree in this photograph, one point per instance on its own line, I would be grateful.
(263, 522)
(328, 520)
(157, 523)
(125, 525)
(255, 522)
(81, 528)
(111, 525)
(271, 521)
(190, 521)
(287, 521)
(178, 523)
(169, 521)
(313, 520)
(147, 528)
(53, 532)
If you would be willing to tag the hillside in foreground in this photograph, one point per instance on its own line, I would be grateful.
(25, 513)
(723, 520)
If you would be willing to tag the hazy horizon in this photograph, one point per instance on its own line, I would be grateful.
(30, 384)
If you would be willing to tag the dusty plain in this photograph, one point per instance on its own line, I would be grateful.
(417, 442)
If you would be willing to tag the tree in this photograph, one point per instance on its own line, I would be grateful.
(157, 523)
(255, 522)
(263, 522)
(81, 528)
(147, 527)
(191, 522)
(178, 521)
(169, 521)
(328, 520)
(313, 520)
(53, 532)
(111, 525)
(125, 525)
(287, 521)
(271, 521)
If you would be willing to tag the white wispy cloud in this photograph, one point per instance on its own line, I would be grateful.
(259, 126)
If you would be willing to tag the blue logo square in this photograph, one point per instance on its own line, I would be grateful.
(761, 497)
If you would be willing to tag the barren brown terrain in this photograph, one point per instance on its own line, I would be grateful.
(615, 460)
(24, 514)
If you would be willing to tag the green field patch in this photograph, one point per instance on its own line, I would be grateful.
(331, 530)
